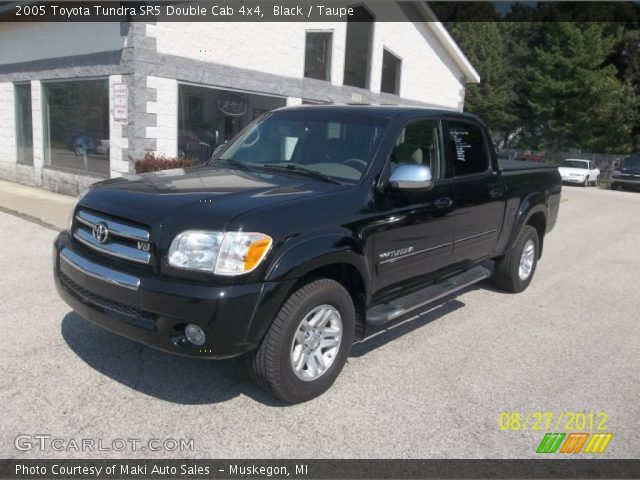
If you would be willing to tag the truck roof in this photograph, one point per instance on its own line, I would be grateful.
(381, 110)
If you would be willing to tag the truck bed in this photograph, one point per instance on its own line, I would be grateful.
(518, 165)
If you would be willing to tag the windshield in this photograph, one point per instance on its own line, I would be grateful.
(575, 164)
(631, 162)
(335, 145)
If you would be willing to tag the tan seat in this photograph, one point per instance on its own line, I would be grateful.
(407, 153)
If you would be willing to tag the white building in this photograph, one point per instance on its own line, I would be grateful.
(81, 102)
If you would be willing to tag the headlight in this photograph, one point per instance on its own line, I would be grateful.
(222, 253)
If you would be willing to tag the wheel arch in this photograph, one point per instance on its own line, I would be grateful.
(349, 277)
(307, 255)
(336, 257)
(538, 221)
(533, 211)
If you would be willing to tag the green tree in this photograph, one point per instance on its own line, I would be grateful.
(626, 58)
(574, 95)
(494, 98)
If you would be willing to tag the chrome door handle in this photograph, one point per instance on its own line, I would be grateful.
(444, 202)
(496, 193)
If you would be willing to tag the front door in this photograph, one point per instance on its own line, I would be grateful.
(477, 189)
(414, 230)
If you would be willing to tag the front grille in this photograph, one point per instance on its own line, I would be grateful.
(148, 318)
(112, 237)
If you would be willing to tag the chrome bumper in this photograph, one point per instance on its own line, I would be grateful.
(626, 180)
(100, 272)
(573, 179)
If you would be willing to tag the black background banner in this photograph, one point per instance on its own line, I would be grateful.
(204, 11)
(316, 469)
(310, 10)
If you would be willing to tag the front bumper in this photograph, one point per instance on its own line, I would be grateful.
(628, 180)
(154, 310)
(568, 179)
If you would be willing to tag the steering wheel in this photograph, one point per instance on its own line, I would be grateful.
(360, 165)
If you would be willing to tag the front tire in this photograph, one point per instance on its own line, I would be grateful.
(514, 271)
(307, 344)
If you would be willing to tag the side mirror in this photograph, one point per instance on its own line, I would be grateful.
(408, 177)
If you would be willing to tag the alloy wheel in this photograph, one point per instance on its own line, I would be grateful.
(316, 343)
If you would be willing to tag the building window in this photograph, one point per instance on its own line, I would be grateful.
(357, 60)
(77, 125)
(317, 57)
(24, 129)
(391, 67)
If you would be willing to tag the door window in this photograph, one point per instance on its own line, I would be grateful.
(466, 148)
(418, 143)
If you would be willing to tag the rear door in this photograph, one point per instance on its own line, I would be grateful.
(477, 189)
(414, 229)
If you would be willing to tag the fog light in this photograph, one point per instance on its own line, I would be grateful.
(194, 334)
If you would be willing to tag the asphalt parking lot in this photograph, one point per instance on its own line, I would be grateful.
(433, 386)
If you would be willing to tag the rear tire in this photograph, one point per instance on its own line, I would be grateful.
(286, 364)
(514, 271)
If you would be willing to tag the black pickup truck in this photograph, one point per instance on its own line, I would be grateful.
(314, 227)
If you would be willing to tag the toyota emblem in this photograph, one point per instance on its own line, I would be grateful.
(100, 232)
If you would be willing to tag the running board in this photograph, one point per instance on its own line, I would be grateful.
(385, 312)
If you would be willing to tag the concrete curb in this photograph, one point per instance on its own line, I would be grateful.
(29, 218)
(48, 209)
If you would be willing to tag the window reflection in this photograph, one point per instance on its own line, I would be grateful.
(209, 117)
(77, 125)
(24, 130)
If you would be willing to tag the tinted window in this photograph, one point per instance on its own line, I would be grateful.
(317, 58)
(466, 148)
(631, 162)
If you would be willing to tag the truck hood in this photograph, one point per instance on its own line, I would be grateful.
(629, 170)
(206, 197)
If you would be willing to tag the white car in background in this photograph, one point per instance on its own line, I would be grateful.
(577, 170)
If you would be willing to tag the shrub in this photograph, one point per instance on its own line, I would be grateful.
(151, 163)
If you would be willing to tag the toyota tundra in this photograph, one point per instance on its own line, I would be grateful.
(314, 227)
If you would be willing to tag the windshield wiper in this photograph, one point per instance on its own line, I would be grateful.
(235, 163)
(302, 171)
